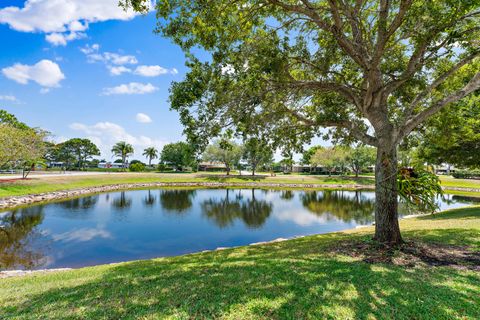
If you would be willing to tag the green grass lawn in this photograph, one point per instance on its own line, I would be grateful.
(297, 279)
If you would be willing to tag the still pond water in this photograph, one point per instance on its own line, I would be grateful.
(144, 224)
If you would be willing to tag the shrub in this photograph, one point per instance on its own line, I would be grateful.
(137, 167)
(463, 174)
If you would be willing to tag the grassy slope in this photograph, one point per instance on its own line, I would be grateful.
(288, 280)
(48, 184)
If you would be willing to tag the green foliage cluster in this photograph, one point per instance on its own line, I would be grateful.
(419, 189)
(137, 167)
(178, 155)
(463, 174)
(20, 146)
(227, 152)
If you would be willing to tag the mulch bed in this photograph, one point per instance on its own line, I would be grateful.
(412, 254)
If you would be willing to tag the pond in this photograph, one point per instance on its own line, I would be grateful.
(142, 224)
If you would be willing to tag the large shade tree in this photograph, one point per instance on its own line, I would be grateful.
(370, 70)
(179, 155)
(80, 149)
(226, 152)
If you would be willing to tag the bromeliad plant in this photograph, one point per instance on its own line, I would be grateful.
(419, 189)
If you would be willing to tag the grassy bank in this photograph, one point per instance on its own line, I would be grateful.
(56, 183)
(297, 279)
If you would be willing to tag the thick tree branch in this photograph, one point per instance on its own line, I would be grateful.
(411, 124)
(438, 82)
(310, 11)
(325, 86)
(352, 127)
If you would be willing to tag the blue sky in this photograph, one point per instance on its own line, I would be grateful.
(84, 68)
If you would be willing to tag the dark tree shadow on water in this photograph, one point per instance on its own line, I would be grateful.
(287, 280)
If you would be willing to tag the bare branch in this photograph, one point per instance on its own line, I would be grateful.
(353, 128)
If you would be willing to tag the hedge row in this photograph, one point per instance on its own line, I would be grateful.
(474, 174)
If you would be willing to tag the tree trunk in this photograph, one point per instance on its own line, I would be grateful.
(387, 229)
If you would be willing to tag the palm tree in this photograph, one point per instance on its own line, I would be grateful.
(123, 150)
(151, 153)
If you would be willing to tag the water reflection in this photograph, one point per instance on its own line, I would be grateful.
(122, 201)
(178, 201)
(465, 199)
(286, 194)
(340, 205)
(17, 232)
(79, 203)
(149, 199)
(143, 224)
(223, 212)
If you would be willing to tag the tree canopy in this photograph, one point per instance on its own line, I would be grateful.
(178, 155)
(257, 152)
(79, 149)
(227, 152)
(369, 70)
(453, 136)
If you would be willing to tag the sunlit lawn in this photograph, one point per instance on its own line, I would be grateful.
(296, 279)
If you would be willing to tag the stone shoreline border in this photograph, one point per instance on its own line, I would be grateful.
(18, 201)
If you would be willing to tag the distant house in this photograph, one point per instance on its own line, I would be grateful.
(445, 168)
(110, 165)
(56, 164)
(211, 166)
(306, 168)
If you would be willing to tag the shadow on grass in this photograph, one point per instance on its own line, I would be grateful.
(288, 280)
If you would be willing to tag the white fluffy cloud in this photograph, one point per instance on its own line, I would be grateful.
(65, 18)
(116, 63)
(153, 71)
(9, 98)
(130, 88)
(106, 134)
(61, 39)
(143, 118)
(116, 71)
(45, 72)
(109, 58)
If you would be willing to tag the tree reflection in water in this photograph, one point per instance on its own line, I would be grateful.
(286, 194)
(149, 199)
(79, 203)
(17, 234)
(122, 201)
(224, 212)
(178, 201)
(340, 205)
